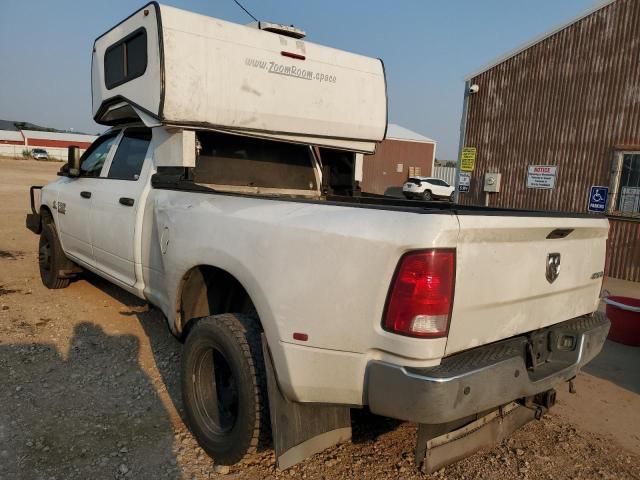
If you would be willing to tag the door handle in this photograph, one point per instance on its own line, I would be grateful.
(85, 194)
(127, 202)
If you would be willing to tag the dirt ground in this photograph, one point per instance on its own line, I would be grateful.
(89, 389)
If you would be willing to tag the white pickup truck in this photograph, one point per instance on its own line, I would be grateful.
(226, 194)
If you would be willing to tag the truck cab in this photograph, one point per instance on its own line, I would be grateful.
(96, 211)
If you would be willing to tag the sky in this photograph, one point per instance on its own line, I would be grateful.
(428, 47)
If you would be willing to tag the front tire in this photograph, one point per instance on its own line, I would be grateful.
(224, 386)
(52, 260)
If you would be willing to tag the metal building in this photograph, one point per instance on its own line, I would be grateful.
(14, 141)
(402, 154)
(557, 123)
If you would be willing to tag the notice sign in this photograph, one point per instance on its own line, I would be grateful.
(468, 159)
(464, 182)
(598, 199)
(541, 176)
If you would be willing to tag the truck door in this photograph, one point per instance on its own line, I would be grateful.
(75, 201)
(116, 202)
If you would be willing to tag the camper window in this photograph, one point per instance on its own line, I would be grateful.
(126, 59)
(256, 165)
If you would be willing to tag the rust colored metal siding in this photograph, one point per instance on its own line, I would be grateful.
(380, 170)
(570, 100)
(623, 250)
(40, 142)
(566, 101)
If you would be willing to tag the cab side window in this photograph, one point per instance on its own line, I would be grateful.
(129, 157)
(95, 156)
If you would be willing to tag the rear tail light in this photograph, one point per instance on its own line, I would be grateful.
(421, 295)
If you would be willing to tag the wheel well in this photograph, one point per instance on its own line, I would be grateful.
(46, 215)
(207, 290)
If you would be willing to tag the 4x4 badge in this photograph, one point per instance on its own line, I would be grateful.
(553, 267)
(60, 206)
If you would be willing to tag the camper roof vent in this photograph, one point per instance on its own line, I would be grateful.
(286, 30)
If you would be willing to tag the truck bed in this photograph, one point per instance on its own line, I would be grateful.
(502, 287)
(374, 201)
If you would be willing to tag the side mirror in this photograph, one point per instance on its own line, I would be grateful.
(73, 161)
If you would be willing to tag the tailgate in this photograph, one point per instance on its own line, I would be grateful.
(502, 287)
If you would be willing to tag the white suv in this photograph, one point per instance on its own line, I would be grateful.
(427, 188)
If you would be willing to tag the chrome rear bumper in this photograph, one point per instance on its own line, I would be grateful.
(486, 377)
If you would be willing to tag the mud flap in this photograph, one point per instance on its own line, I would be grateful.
(301, 430)
(434, 452)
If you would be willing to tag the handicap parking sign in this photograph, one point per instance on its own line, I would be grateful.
(598, 199)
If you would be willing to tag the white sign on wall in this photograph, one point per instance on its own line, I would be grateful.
(464, 182)
(541, 176)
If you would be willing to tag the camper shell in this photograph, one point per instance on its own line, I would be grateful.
(167, 66)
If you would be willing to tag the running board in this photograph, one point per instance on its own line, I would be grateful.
(434, 453)
(300, 430)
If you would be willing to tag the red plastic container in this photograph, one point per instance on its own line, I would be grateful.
(625, 322)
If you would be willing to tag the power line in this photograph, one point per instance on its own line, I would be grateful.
(246, 11)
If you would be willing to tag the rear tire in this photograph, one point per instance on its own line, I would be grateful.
(426, 196)
(52, 260)
(224, 386)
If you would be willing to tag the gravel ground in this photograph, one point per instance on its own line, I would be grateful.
(89, 389)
